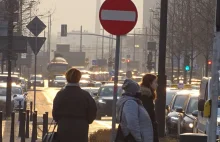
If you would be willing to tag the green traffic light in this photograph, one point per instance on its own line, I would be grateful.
(187, 68)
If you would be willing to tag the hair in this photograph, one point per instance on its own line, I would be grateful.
(73, 75)
(147, 81)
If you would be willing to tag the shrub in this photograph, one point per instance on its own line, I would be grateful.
(100, 136)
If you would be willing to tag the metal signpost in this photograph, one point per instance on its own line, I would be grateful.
(36, 26)
(215, 79)
(117, 18)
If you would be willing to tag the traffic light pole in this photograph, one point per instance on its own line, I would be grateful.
(161, 90)
(215, 79)
(9, 53)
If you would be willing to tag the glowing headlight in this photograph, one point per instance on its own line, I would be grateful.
(50, 80)
(42, 82)
(55, 82)
(32, 81)
(101, 101)
(190, 125)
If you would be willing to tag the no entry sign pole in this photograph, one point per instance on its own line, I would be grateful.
(117, 17)
(117, 52)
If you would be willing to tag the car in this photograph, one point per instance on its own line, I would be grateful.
(170, 93)
(104, 99)
(182, 109)
(59, 81)
(92, 90)
(18, 96)
(23, 83)
(14, 78)
(39, 81)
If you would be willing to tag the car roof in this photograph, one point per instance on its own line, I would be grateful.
(13, 75)
(5, 85)
(111, 84)
(192, 93)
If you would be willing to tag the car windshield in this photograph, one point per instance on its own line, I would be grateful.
(193, 105)
(180, 101)
(169, 97)
(60, 78)
(37, 78)
(108, 91)
(4, 79)
(16, 90)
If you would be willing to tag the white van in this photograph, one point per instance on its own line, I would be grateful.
(203, 122)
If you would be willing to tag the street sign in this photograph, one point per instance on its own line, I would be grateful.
(19, 44)
(36, 26)
(118, 17)
(94, 63)
(36, 43)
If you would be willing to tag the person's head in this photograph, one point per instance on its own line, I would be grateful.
(129, 86)
(73, 75)
(129, 74)
(150, 81)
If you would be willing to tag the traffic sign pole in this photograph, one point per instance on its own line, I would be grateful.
(35, 72)
(117, 52)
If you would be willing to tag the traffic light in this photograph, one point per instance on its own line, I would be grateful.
(209, 62)
(128, 60)
(64, 30)
(187, 68)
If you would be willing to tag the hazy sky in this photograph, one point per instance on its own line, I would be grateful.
(75, 13)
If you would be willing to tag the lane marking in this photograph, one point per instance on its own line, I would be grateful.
(116, 15)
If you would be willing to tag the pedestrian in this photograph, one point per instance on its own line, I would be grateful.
(148, 96)
(134, 120)
(73, 110)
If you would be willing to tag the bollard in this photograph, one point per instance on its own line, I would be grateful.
(19, 111)
(25, 106)
(34, 127)
(0, 126)
(12, 134)
(27, 124)
(193, 137)
(45, 124)
(22, 126)
(179, 125)
(31, 112)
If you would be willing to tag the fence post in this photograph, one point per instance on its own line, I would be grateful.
(0, 126)
(19, 114)
(31, 112)
(25, 106)
(45, 124)
(22, 126)
(27, 124)
(35, 125)
(33, 138)
(12, 134)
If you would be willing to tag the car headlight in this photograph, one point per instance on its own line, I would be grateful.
(51, 80)
(101, 101)
(55, 82)
(190, 125)
(41, 82)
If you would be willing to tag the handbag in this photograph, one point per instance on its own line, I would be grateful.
(120, 136)
(51, 136)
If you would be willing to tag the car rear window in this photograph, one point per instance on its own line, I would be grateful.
(180, 101)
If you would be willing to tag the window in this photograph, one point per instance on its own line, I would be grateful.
(108, 91)
(60, 78)
(16, 90)
(192, 106)
(180, 101)
(169, 97)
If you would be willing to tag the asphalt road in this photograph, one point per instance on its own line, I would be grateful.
(45, 102)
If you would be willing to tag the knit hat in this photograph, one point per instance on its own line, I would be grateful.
(129, 86)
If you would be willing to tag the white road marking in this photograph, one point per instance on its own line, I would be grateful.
(116, 15)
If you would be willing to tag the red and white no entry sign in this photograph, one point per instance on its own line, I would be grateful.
(118, 17)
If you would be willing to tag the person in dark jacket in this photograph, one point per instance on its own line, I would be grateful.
(148, 95)
(73, 109)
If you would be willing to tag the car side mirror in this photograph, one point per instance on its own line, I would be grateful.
(201, 104)
(195, 113)
(168, 108)
(179, 109)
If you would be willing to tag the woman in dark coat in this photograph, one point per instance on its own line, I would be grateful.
(73, 109)
(148, 95)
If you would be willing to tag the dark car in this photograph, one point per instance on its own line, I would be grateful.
(104, 99)
(182, 107)
(39, 81)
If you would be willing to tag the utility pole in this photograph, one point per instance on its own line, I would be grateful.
(10, 9)
(134, 46)
(80, 38)
(161, 90)
(49, 35)
(215, 78)
(103, 43)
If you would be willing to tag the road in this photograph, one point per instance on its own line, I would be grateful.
(44, 103)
